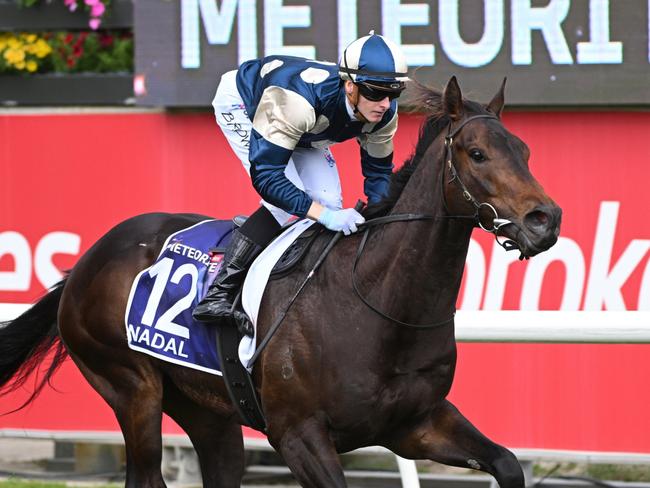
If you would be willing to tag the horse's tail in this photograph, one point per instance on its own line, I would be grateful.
(26, 341)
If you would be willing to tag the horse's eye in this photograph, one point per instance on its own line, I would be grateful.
(477, 155)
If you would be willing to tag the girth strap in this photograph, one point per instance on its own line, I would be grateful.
(237, 379)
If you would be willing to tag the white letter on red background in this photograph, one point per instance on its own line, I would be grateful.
(644, 291)
(474, 277)
(497, 277)
(51, 244)
(604, 286)
(15, 244)
(570, 255)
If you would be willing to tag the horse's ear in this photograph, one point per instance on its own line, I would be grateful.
(452, 100)
(496, 104)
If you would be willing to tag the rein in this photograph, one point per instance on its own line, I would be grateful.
(335, 238)
(508, 245)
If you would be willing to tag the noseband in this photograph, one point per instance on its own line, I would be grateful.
(497, 223)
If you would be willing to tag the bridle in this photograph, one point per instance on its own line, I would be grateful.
(497, 223)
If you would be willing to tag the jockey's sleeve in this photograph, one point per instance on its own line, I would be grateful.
(281, 118)
(377, 159)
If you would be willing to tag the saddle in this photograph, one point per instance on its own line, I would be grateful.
(296, 252)
(292, 256)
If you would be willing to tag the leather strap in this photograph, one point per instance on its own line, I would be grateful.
(238, 380)
(431, 325)
(335, 238)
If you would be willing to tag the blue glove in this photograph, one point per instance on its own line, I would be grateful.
(345, 220)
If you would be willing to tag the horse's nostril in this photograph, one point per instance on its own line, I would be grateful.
(537, 221)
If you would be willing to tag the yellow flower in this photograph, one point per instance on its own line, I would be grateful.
(14, 56)
(22, 51)
(42, 48)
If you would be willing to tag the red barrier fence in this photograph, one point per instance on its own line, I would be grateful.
(65, 179)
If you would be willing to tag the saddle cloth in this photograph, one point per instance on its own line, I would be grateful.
(158, 316)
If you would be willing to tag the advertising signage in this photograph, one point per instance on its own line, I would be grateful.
(554, 52)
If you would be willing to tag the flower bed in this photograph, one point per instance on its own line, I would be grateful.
(66, 52)
(52, 62)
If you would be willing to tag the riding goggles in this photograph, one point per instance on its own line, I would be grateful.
(377, 92)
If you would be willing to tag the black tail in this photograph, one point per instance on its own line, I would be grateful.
(27, 340)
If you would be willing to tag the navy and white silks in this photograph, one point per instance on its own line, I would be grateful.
(280, 114)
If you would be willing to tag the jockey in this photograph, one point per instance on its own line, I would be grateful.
(280, 114)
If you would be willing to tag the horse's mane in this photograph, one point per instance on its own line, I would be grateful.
(420, 99)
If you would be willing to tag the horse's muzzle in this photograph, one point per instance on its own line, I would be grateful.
(541, 228)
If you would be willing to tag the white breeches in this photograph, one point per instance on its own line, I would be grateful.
(310, 169)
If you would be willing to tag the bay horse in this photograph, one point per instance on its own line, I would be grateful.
(339, 374)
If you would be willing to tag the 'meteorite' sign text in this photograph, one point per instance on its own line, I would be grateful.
(555, 52)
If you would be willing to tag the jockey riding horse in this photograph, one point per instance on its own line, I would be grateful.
(280, 114)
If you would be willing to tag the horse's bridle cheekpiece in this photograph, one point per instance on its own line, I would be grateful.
(497, 223)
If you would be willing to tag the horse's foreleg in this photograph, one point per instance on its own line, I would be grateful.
(449, 438)
(311, 456)
(217, 440)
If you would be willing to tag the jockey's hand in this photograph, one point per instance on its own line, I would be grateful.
(345, 220)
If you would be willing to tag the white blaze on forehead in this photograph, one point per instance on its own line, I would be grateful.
(314, 75)
(283, 116)
(270, 66)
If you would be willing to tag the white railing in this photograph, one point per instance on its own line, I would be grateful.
(553, 326)
(518, 326)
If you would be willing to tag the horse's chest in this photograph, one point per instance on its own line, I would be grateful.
(368, 411)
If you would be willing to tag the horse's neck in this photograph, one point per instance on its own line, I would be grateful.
(428, 256)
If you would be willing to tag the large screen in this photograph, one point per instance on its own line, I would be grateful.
(554, 52)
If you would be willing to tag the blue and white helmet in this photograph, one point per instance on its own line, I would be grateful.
(374, 59)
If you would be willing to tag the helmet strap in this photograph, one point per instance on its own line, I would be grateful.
(353, 98)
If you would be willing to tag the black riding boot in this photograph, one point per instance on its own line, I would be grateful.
(221, 294)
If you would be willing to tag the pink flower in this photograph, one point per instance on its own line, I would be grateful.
(97, 10)
(91, 2)
(94, 23)
(71, 4)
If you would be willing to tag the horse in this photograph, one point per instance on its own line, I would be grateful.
(343, 372)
